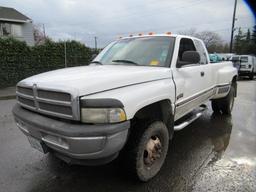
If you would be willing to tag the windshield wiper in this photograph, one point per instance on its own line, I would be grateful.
(125, 61)
(97, 62)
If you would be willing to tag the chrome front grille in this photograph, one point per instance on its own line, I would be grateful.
(48, 102)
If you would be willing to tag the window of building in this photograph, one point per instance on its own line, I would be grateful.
(16, 30)
(8, 29)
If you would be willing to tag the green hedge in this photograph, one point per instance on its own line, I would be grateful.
(18, 60)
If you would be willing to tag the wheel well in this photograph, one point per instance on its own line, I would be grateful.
(161, 110)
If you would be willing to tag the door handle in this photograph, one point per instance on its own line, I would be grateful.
(202, 73)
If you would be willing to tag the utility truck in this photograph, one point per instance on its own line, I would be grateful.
(127, 102)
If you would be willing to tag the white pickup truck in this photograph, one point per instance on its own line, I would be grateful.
(128, 101)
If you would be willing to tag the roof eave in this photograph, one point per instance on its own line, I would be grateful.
(16, 20)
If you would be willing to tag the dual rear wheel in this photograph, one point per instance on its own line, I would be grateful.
(226, 104)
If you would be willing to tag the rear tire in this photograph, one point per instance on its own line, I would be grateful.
(225, 105)
(216, 106)
(251, 75)
(146, 150)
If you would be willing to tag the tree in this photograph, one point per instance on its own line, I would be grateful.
(253, 37)
(39, 35)
(248, 35)
(211, 39)
(239, 41)
(253, 41)
(191, 32)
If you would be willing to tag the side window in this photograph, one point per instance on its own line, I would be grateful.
(185, 45)
(201, 50)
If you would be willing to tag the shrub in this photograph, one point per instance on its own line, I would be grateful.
(18, 60)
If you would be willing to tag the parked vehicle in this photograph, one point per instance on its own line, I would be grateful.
(128, 101)
(218, 57)
(214, 58)
(247, 65)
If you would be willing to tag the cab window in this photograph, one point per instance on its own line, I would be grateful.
(202, 53)
(186, 44)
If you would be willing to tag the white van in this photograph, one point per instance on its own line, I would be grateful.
(247, 65)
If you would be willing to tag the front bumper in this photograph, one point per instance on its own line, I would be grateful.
(73, 140)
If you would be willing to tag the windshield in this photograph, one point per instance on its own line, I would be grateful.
(142, 51)
(244, 59)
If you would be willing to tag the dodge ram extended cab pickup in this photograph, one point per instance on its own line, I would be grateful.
(127, 102)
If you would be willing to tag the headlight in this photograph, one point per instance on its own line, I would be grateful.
(102, 110)
(102, 115)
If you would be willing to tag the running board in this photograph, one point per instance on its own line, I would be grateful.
(189, 120)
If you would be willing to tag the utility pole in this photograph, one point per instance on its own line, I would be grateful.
(95, 43)
(65, 53)
(233, 28)
(44, 31)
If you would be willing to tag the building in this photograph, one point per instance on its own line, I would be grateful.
(15, 24)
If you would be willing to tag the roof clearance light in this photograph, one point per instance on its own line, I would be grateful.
(151, 33)
(168, 33)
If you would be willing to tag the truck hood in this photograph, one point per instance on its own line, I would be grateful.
(86, 80)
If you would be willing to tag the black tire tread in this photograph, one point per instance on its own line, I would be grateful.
(130, 153)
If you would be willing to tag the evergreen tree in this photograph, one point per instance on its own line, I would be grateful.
(253, 41)
(253, 37)
(238, 45)
(248, 35)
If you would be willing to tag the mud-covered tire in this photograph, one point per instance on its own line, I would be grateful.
(227, 103)
(216, 106)
(135, 151)
(251, 75)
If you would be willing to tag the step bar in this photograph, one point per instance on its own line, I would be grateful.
(195, 116)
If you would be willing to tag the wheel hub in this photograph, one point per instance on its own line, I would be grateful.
(152, 150)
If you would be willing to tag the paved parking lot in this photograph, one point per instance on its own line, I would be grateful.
(215, 153)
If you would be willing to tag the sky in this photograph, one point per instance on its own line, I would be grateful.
(107, 20)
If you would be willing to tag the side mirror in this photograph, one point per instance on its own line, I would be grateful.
(189, 57)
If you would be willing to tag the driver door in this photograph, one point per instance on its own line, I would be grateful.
(189, 81)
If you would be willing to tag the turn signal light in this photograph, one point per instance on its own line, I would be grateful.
(151, 33)
(168, 33)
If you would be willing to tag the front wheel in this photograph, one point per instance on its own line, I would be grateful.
(147, 150)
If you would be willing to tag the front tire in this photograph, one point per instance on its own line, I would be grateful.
(147, 149)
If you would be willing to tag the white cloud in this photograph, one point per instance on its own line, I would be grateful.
(108, 19)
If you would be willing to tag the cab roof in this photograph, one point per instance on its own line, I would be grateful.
(158, 35)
